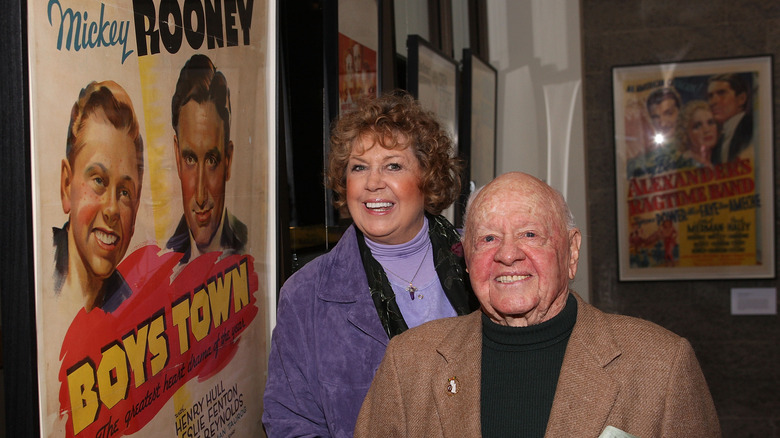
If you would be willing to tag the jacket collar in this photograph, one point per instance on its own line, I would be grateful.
(345, 275)
(461, 350)
(583, 377)
(347, 284)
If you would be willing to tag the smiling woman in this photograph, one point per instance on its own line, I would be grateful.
(383, 192)
(100, 184)
(398, 266)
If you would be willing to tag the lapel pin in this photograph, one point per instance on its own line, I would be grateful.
(452, 385)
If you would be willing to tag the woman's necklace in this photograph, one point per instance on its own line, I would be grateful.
(411, 289)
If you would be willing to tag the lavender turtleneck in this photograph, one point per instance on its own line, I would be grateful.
(400, 263)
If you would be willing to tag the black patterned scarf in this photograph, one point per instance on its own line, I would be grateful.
(448, 262)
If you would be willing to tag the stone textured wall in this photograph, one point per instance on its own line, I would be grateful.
(740, 355)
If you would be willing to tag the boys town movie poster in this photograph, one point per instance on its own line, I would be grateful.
(150, 169)
(694, 170)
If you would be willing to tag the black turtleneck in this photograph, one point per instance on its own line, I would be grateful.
(520, 368)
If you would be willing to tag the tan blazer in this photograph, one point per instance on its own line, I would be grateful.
(617, 371)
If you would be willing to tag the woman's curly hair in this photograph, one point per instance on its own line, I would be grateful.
(396, 121)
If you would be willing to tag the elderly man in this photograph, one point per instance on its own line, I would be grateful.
(537, 360)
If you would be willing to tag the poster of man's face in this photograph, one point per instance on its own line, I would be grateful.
(203, 151)
(725, 102)
(203, 163)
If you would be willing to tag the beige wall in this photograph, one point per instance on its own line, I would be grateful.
(535, 46)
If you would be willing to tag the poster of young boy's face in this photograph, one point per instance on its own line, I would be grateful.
(100, 191)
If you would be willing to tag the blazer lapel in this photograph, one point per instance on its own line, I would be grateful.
(461, 352)
(586, 392)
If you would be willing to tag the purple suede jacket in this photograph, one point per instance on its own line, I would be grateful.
(326, 346)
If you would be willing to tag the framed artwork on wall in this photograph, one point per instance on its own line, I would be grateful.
(357, 46)
(432, 78)
(353, 51)
(694, 168)
(149, 253)
(478, 120)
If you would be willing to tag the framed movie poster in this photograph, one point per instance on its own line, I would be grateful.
(432, 78)
(478, 119)
(152, 204)
(358, 52)
(693, 149)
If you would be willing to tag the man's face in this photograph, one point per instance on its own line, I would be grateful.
(203, 162)
(663, 115)
(100, 193)
(723, 101)
(519, 254)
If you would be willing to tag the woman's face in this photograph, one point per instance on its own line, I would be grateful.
(100, 192)
(383, 192)
(703, 130)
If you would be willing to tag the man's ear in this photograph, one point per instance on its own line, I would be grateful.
(228, 158)
(575, 240)
(66, 179)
